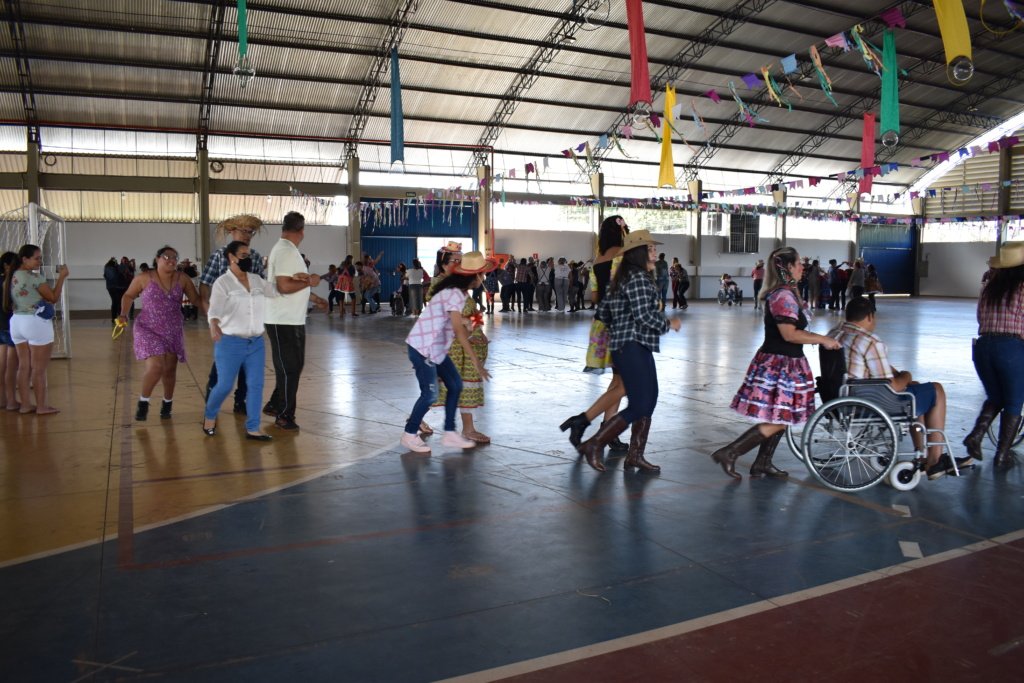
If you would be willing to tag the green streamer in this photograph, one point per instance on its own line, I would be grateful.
(890, 84)
(243, 30)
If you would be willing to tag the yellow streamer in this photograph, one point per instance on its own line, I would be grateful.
(666, 174)
(956, 35)
(768, 84)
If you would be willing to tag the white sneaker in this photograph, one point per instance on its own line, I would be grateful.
(456, 440)
(414, 443)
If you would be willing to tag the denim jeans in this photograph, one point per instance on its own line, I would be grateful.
(371, 298)
(999, 362)
(230, 354)
(635, 365)
(427, 374)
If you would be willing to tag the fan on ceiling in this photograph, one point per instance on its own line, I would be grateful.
(593, 14)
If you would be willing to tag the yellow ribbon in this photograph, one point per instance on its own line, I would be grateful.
(119, 328)
(666, 171)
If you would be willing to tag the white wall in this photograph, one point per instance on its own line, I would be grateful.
(955, 268)
(91, 244)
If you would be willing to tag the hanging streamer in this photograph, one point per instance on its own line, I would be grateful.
(397, 120)
(666, 172)
(823, 79)
(890, 91)
(697, 119)
(774, 90)
(243, 29)
(640, 87)
(956, 40)
(867, 152)
(750, 115)
(867, 50)
(618, 146)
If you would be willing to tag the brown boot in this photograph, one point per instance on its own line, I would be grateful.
(726, 455)
(973, 441)
(637, 445)
(1008, 427)
(593, 448)
(763, 466)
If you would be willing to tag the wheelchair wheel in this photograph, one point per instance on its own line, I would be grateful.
(904, 476)
(993, 433)
(849, 444)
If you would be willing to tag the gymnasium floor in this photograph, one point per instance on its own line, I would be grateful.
(148, 551)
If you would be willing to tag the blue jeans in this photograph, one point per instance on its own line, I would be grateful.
(371, 298)
(663, 290)
(634, 363)
(230, 354)
(427, 374)
(999, 362)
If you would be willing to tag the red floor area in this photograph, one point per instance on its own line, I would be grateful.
(959, 620)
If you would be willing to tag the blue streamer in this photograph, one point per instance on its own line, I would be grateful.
(397, 121)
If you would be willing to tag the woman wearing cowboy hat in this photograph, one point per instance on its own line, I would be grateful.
(998, 353)
(429, 343)
(632, 311)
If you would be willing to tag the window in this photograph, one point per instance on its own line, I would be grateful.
(744, 231)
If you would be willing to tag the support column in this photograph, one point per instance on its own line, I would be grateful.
(779, 197)
(484, 213)
(355, 223)
(1003, 199)
(696, 190)
(854, 199)
(32, 172)
(597, 189)
(203, 195)
(917, 226)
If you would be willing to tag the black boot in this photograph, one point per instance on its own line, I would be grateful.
(593, 448)
(726, 455)
(165, 409)
(763, 466)
(141, 411)
(1008, 427)
(973, 441)
(637, 446)
(577, 424)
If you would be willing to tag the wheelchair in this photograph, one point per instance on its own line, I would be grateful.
(853, 441)
(730, 295)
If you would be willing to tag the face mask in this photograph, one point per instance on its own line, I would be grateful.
(245, 264)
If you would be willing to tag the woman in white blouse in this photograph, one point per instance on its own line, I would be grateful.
(237, 301)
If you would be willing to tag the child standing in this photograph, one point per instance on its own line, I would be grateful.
(428, 344)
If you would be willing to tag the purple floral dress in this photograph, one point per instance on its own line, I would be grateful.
(159, 328)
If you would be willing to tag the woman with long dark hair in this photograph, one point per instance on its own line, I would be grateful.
(8, 352)
(778, 389)
(609, 246)
(998, 353)
(635, 319)
(31, 326)
(159, 336)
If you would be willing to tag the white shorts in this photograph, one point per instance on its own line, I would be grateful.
(27, 327)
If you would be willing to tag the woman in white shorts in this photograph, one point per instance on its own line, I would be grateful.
(33, 335)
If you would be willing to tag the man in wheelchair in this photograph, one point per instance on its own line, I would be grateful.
(729, 291)
(867, 358)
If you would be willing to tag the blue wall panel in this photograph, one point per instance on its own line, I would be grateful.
(890, 248)
(393, 250)
(432, 219)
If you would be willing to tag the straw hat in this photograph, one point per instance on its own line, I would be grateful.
(452, 246)
(244, 221)
(475, 263)
(1011, 255)
(637, 238)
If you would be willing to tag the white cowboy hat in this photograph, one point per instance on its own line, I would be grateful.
(475, 263)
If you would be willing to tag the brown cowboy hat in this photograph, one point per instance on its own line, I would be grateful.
(1011, 255)
(637, 238)
(474, 263)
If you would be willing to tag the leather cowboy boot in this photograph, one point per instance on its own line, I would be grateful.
(577, 424)
(616, 444)
(763, 466)
(726, 455)
(973, 441)
(637, 446)
(1008, 427)
(593, 448)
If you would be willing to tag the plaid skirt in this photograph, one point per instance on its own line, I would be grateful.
(777, 389)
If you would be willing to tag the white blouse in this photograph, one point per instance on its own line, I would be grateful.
(238, 311)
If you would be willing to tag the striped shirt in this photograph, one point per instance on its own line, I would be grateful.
(1002, 318)
(633, 313)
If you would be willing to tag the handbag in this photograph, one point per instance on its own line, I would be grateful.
(45, 310)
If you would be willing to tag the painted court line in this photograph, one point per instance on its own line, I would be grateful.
(682, 628)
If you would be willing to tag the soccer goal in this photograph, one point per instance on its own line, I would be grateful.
(32, 224)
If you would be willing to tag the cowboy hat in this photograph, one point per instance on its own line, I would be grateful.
(1011, 255)
(475, 263)
(452, 246)
(637, 238)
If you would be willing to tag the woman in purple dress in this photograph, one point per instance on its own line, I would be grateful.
(778, 390)
(159, 332)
